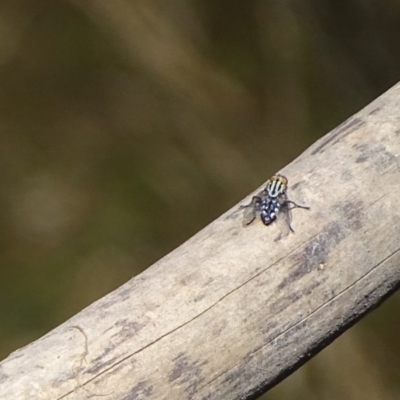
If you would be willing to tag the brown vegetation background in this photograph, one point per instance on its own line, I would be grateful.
(128, 125)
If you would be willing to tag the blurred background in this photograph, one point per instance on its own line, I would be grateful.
(128, 125)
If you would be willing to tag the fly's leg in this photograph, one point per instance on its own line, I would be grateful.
(289, 215)
(254, 201)
(295, 205)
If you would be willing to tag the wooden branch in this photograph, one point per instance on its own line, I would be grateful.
(235, 310)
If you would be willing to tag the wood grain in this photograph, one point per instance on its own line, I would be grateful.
(235, 310)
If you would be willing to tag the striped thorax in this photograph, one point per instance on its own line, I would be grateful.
(276, 186)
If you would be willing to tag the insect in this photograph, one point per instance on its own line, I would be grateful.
(272, 202)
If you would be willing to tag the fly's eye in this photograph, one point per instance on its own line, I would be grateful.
(284, 181)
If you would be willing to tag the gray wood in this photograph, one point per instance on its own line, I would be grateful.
(234, 310)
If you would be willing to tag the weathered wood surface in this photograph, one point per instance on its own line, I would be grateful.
(234, 310)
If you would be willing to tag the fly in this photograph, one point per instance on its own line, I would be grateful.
(272, 202)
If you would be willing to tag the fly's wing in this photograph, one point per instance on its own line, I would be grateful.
(285, 214)
(252, 210)
(284, 217)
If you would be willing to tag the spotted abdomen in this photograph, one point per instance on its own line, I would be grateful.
(269, 210)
